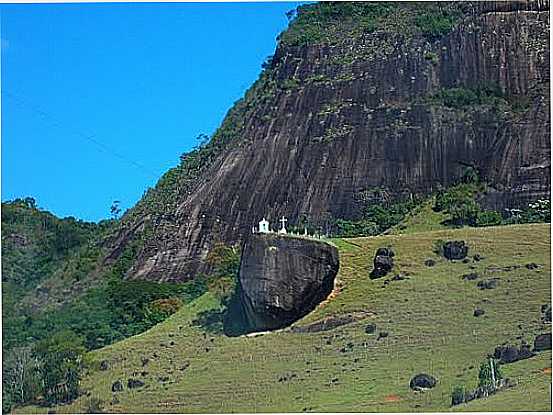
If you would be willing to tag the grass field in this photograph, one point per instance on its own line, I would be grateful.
(428, 317)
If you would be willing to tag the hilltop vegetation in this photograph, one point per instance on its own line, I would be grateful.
(424, 323)
(333, 22)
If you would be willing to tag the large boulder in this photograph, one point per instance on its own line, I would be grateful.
(281, 279)
(383, 262)
(511, 354)
(422, 381)
(455, 250)
(542, 342)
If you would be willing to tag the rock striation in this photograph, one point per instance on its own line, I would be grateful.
(281, 279)
(333, 126)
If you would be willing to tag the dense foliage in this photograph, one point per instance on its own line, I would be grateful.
(437, 22)
(322, 22)
(48, 372)
(460, 202)
(332, 22)
(486, 375)
(463, 97)
(35, 242)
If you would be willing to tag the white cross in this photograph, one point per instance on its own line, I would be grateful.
(283, 221)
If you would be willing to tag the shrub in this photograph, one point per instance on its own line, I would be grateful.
(434, 22)
(462, 97)
(459, 202)
(464, 211)
(60, 370)
(485, 377)
(538, 211)
(489, 218)
(457, 395)
(159, 310)
(343, 228)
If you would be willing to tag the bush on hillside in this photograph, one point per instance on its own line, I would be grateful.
(457, 395)
(486, 376)
(61, 365)
(489, 218)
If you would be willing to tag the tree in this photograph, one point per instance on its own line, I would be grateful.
(60, 371)
(115, 210)
(20, 372)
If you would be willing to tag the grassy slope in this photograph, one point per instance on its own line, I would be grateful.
(421, 219)
(428, 317)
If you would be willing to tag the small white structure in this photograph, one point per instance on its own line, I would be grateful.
(264, 226)
(283, 220)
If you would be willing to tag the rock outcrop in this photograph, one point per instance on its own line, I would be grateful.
(422, 381)
(281, 279)
(333, 126)
(383, 263)
(542, 342)
(455, 250)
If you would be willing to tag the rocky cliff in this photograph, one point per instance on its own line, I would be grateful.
(281, 279)
(361, 102)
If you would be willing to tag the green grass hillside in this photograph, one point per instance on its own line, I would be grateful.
(428, 317)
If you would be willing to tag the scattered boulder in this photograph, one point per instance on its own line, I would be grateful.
(532, 265)
(117, 386)
(525, 352)
(477, 257)
(399, 277)
(471, 276)
(383, 262)
(370, 329)
(429, 262)
(510, 354)
(134, 383)
(455, 250)
(478, 312)
(542, 342)
(382, 335)
(487, 284)
(145, 361)
(466, 261)
(286, 377)
(104, 365)
(507, 354)
(422, 381)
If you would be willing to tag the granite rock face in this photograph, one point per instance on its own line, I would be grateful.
(281, 279)
(351, 123)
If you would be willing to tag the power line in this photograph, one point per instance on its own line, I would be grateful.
(90, 138)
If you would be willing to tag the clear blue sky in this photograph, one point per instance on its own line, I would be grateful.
(143, 80)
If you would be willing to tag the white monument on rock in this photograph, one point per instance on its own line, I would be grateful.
(264, 226)
(283, 220)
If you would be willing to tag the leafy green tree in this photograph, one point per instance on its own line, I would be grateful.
(61, 364)
(489, 218)
(20, 377)
(115, 210)
(464, 211)
(486, 376)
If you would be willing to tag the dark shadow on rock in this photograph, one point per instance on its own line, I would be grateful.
(455, 250)
(281, 279)
(383, 263)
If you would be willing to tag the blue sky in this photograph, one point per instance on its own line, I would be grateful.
(99, 100)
